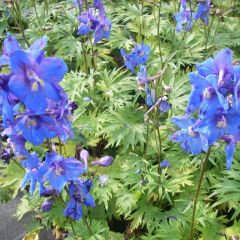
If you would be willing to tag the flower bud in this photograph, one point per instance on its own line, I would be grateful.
(104, 161)
(164, 164)
(46, 205)
(103, 180)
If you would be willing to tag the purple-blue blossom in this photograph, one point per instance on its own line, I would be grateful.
(103, 161)
(57, 170)
(137, 57)
(215, 100)
(79, 194)
(203, 10)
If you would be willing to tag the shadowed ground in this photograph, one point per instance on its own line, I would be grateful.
(10, 228)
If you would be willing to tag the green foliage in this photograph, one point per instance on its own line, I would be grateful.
(140, 200)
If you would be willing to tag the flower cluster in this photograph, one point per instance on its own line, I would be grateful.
(186, 17)
(215, 97)
(35, 109)
(95, 21)
(137, 59)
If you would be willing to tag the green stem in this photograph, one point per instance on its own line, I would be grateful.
(204, 164)
(141, 21)
(207, 37)
(146, 144)
(89, 228)
(60, 145)
(73, 230)
(35, 9)
(158, 30)
(17, 11)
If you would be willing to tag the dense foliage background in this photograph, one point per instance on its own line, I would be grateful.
(138, 198)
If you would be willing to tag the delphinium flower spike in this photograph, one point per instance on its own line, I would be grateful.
(215, 100)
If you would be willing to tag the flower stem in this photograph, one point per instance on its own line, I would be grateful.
(207, 37)
(18, 20)
(89, 228)
(73, 230)
(158, 29)
(204, 164)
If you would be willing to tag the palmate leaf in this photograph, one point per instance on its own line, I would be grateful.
(116, 88)
(227, 190)
(11, 176)
(123, 128)
(146, 214)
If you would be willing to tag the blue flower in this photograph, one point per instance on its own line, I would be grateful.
(103, 161)
(191, 140)
(47, 205)
(102, 29)
(205, 95)
(150, 96)
(84, 155)
(7, 101)
(184, 19)
(11, 45)
(220, 66)
(203, 11)
(88, 22)
(164, 106)
(142, 75)
(60, 112)
(31, 164)
(103, 180)
(98, 4)
(230, 148)
(58, 171)
(218, 125)
(138, 56)
(35, 80)
(36, 128)
(79, 194)
(164, 164)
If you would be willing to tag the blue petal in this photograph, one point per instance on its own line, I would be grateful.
(224, 59)
(33, 184)
(73, 168)
(210, 107)
(207, 67)
(36, 101)
(51, 91)
(38, 45)
(19, 60)
(229, 149)
(73, 210)
(10, 45)
(52, 69)
(25, 180)
(57, 182)
(89, 200)
(195, 145)
(18, 86)
(184, 121)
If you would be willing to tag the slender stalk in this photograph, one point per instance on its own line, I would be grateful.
(60, 145)
(89, 228)
(146, 144)
(207, 38)
(73, 230)
(141, 21)
(158, 31)
(36, 12)
(204, 164)
(17, 13)
(19, 164)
